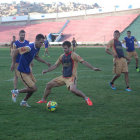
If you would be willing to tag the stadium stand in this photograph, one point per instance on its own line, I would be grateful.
(6, 32)
(93, 29)
(97, 29)
(134, 28)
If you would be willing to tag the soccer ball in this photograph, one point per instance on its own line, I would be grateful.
(51, 106)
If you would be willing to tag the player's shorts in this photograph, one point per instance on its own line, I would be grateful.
(65, 81)
(16, 71)
(27, 79)
(130, 54)
(74, 48)
(46, 49)
(120, 66)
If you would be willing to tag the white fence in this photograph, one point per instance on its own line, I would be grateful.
(59, 15)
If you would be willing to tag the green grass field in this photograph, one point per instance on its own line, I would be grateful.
(115, 115)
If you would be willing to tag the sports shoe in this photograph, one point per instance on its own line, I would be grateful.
(41, 101)
(14, 95)
(137, 69)
(24, 103)
(89, 102)
(112, 86)
(128, 89)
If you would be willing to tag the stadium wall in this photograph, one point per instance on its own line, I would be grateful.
(39, 18)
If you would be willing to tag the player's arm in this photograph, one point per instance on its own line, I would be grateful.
(76, 57)
(137, 42)
(43, 44)
(41, 60)
(90, 66)
(21, 50)
(123, 44)
(14, 55)
(50, 69)
(11, 46)
(108, 51)
(58, 62)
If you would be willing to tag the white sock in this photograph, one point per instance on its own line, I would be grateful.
(17, 91)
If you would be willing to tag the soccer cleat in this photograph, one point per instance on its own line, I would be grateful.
(41, 101)
(24, 103)
(112, 86)
(137, 69)
(89, 102)
(14, 95)
(128, 89)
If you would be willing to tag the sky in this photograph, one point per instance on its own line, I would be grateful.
(102, 3)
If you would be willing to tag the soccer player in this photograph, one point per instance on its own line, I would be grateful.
(69, 61)
(18, 44)
(74, 44)
(130, 48)
(28, 53)
(46, 43)
(12, 45)
(120, 63)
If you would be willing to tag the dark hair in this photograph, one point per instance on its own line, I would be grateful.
(117, 31)
(128, 31)
(66, 43)
(39, 36)
(22, 31)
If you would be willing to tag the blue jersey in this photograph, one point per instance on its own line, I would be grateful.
(46, 44)
(27, 55)
(19, 44)
(130, 43)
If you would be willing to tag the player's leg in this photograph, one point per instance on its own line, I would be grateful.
(137, 65)
(116, 76)
(30, 87)
(15, 81)
(79, 93)
(129, 55)
(125, 71)
(54, 83)
(47, 51)
(73, 48)
(137, 61)
(117, 71)
(127, 81)
(71, 85)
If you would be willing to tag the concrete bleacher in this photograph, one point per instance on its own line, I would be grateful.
(134, 28)
(93, 29)
(97, 29)
(6, 32)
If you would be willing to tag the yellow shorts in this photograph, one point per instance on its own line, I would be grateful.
(74, 48)
(27, 79)
(120, 66)
(46, 49)
(16, 71)
(130, 54)
(65, 81)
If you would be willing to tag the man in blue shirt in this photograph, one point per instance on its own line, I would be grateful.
(28, 53)
(130, 48)
(46, 43)
(18, 44)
